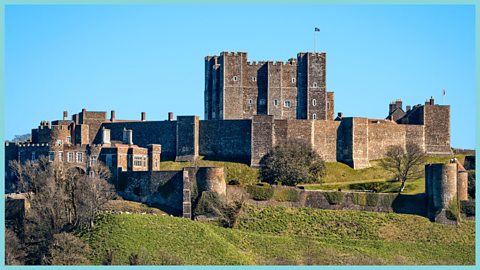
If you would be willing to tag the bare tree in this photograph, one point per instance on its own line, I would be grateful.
(67, 249)
(62, 198)
(405, 163)
(14, 253)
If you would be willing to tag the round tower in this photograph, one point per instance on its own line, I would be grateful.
(212, 179)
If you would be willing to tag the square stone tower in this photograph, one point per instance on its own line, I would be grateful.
(238, 89)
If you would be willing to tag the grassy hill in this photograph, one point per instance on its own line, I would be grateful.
(276, 235)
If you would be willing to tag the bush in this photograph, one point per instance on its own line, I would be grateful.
(234, 182)
(374, 186)
(209, 204)
(291, 163)
(286, 194)
(260, 193)
(471, 183)
(453, 211)
(334, 197)
(388, 200)
(468, 208)
(372, 199)
(359, 198)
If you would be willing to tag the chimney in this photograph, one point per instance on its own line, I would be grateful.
(432, 101)
(65, 115)
(112, 115)
(144, 116)
(340, 115)
(170, 116)
(84, 110)
(408, 108)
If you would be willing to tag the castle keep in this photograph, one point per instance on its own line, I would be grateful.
(238, 89)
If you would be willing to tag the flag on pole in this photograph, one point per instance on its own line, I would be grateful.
(317, 29)
(443, 92)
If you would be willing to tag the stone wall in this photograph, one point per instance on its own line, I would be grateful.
(145, 133)
(437, 129)
(187, 138)
(227, 139)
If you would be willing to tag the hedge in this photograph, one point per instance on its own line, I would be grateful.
(286, 194)
(334, 197)
(468, 208)
(261, 192)
(359, 198)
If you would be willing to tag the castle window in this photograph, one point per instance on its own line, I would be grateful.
(275, 102)
(70, 157)
(137, 161)
(250, 102)
(314, 116)
(108, 160)
(144, 161)
(286, 104)
(60, 156)
(314, 102)
(59, 142)
(51, 156)
(261, 102)
(79, 157)
(91, 174)
(235, 78)
(314, 84)
(293, 80)
(93, 160)
(34, 155)
(69, 139)
(254, 79)
(156, 163)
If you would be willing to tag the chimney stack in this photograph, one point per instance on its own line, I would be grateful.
(170, 116)
(144, 116)
(408, 108)
(340, 115)
(112, 115)
(65, 115)
(432, 101)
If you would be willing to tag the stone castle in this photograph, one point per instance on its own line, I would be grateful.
(249, 108)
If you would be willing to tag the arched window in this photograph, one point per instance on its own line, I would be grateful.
(315, 84)
(314, 116)
(314, 102)
(293, 80)
(235, 78)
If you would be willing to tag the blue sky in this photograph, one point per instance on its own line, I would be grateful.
(151, 57)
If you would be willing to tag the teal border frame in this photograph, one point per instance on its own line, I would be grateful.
(4, 3)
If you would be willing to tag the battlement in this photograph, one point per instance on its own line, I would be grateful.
(19, 144)
(233, 54)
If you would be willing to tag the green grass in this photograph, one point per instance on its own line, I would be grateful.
(242, 172)
(277, 235)
(415, 186)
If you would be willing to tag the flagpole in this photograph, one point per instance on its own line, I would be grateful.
(314, 40)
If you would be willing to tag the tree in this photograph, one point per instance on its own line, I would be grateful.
(14, 253)
(67, 249)
(405, 163)
(291, 163)
(62, 198)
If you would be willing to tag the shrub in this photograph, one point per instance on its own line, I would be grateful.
(334, 197)
(468, 208)
(234, 182)
(388, 200)
(471, 183)
(453, 210)
(372, 199)
(286, 194)
(260, 193)
(291, 163)
(375, 186)
(359, 198)
(209, 204)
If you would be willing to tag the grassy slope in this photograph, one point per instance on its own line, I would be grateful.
(285, 236)
(336, 175)
(339, 175)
